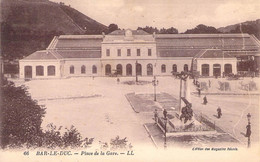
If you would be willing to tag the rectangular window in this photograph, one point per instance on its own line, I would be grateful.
(108, 52)
(39, 71)
(149, 52)
(138, 51)
(128, 52)
(118, 52)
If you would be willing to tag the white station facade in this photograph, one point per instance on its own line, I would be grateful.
(135, 52)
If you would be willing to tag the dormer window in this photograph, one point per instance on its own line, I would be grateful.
(129, 35)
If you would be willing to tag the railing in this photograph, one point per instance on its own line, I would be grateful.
(204, 119)
(247, 73)
(206, 125)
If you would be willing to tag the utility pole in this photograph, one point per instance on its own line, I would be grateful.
(180, 96)
(136, 77)
(248, 132)
(155, 83)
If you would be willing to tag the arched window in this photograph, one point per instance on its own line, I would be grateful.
(149, 69)
(128, 69)
(83, 69)
(94, 69)
(163, 68)
(186, 68)
(174, 68)
(138, 69)
(119, 69)
(71, 69)
(108, 69)
(51, 70)
(39, 71)
(205, 69)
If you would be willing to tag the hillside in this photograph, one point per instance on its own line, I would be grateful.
(250, 27)
(30, 25)
(46, 16)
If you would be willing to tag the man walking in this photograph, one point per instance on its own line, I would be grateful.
(155, 116)
(248, 130)
(219, 112)
(165, 113)
(199, 91)
(205, 101)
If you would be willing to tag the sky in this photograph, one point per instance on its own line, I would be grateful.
(181, 14)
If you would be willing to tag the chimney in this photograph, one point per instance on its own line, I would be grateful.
(153, 34)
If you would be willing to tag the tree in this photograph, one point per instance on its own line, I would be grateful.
(22, 116)
(152, 30)
(171, 30)
(149, 29)
(112, 27)
(250, 29)
(21, 123)
(202, 29)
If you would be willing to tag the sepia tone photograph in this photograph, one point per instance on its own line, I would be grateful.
(122, 80)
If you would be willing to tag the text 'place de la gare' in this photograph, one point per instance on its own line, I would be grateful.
(135, 52)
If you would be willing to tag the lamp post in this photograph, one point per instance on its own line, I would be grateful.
(165, 130)
(248, 131)
(136, 77)
(155, 83)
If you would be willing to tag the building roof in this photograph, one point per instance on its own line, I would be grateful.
(80, 53)
(135, 32)
(61, 54)
(42, 55)
(213, 53)
(177, 52)
(76, 42)
(206, 41)
(243, 53)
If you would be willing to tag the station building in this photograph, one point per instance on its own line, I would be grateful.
(135, 52)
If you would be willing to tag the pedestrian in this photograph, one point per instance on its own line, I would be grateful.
(198, 83)
(248, 130)
(199, 91)
(165, 113)
(209, 83)
(155, 116)
(118, 80)
(205, 101)
(219, 112)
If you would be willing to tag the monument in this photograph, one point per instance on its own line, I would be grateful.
(184, 121)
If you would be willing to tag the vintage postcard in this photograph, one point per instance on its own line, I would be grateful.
(123, 80)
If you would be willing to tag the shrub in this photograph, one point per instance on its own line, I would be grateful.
(116, 144)
(224, 86)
